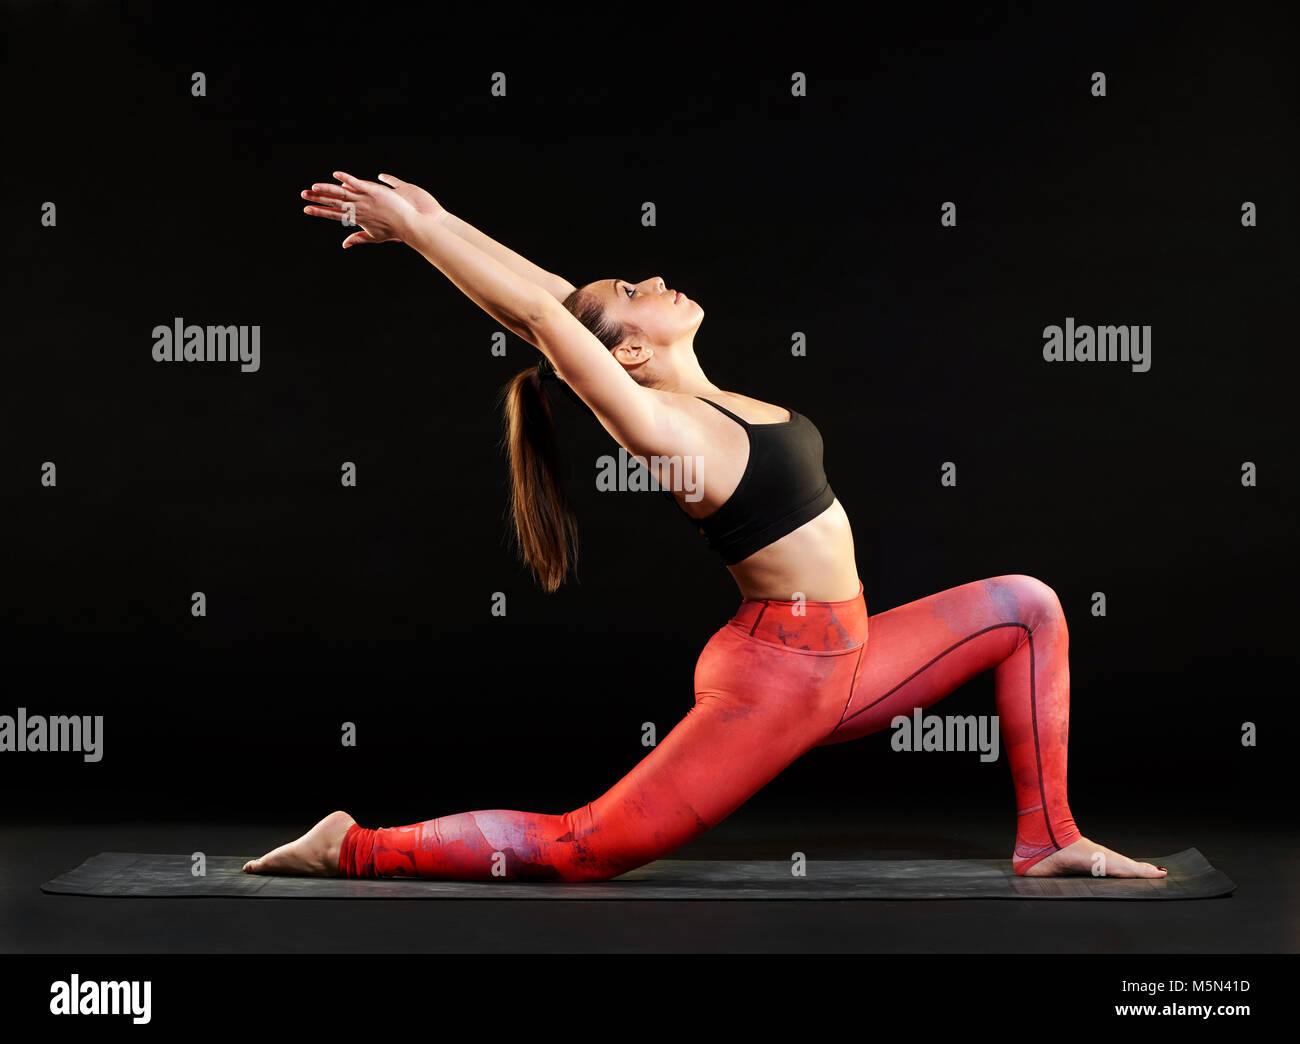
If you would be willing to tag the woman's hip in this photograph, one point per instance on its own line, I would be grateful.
(784, 671)
(799, 625)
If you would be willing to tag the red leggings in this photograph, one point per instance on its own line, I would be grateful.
(772, 683)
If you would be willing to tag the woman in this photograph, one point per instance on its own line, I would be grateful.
(793, 669)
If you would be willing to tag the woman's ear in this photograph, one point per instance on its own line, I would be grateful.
(633, 355)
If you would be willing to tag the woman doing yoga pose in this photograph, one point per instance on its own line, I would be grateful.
(793, 669)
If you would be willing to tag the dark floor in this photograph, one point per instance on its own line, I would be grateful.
(1260, 917)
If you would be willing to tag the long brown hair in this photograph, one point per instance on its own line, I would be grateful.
(546, 532)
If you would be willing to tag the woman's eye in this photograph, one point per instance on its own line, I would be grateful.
(629, 290)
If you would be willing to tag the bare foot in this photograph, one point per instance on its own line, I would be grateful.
(1080, 857)
(316, 852)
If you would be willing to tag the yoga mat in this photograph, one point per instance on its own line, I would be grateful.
(145, 874)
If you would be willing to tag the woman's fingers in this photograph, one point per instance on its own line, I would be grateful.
(326, 212)
(323, 200)
(324, 188)
(359, 237)
(355, 184)
(336, 202)
(389, 179)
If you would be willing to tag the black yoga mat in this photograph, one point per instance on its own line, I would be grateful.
(144, 874)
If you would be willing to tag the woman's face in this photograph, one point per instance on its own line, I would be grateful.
(663, 316)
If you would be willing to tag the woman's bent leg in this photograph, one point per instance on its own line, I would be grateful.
(758, 707)
(1013, 625)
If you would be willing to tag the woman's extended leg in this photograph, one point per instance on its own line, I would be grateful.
(1014, 626)
(759, 705)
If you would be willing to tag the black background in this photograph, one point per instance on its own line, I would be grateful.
(821, 214)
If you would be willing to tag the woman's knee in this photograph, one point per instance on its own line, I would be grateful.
(1035, 601)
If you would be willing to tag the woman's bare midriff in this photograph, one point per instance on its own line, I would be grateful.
(815, 562)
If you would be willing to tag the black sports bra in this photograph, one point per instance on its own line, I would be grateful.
(783, 487)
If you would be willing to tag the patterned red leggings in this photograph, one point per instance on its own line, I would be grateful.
(776, 680)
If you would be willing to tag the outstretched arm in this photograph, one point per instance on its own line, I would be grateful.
(396, 211)
(392, 212)
(557, 286)
(329, 196)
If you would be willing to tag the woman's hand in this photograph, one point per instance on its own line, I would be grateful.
(384, 211)
(416, 196)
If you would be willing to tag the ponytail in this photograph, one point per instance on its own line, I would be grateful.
(545, 529)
